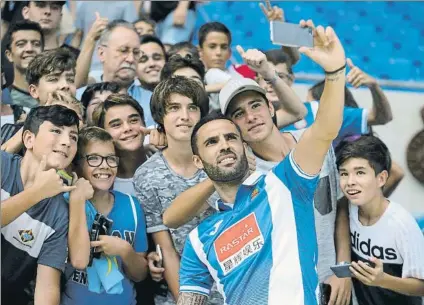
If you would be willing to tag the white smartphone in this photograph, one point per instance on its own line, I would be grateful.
(159, 252)
(291, 34)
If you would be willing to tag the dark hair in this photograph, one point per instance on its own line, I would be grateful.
(150, 38)
(87, 135)
(192, 49)
(277, 56)
(89, 92)
(48, 61)
(213, 116)
(114, 100)
(366, 147)
(317, 90)
(177, 85)
(177, 62)
(215, 26)
(58, 115)
(23, 25)
(62, 3)
(145, 19)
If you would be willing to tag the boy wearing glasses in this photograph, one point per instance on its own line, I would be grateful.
(97, 162)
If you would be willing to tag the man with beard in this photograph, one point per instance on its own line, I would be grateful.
(24, 41)
(263, 239)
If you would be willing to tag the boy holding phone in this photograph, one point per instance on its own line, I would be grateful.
(387, 244)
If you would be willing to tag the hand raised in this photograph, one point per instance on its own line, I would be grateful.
(48, 183)
(327, 52)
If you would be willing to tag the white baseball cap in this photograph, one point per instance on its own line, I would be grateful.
(234, 87)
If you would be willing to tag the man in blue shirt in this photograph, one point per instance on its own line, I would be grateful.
(237, 248)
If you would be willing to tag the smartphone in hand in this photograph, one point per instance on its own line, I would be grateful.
(159, 264)
(325, 293)
(342, 270)
(291, 34)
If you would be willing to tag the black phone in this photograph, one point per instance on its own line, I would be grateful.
(325, 293)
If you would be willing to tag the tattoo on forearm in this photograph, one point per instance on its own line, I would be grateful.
(335, 76)
(187, 298)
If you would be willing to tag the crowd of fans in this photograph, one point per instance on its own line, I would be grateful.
(138, 168)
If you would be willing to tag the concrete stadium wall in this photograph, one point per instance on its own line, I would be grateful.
(406, 123)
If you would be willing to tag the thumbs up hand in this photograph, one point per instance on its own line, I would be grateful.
(357, 78)
(48, 183)
(97, 28)
(256, 60)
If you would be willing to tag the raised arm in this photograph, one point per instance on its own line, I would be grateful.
(87, 50)
(381, 112)
(292, 107)
(316, 140)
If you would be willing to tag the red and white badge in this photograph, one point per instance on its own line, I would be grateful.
(238, 242)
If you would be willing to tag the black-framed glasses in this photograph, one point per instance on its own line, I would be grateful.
(96, 160)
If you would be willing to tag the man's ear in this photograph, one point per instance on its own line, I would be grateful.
(25, 11)
(101, 53)
(198, 162)
(28, 139)
(33, 90)
(382, 178)
(9, 56)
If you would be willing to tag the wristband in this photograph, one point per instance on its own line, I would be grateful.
(273, 79)
(335, 71)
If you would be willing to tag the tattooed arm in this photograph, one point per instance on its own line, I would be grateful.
(191, 298)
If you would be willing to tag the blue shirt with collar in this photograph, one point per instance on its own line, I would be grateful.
(262, 249)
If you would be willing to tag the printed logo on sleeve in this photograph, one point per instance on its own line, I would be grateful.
(238, 243)
(26, 236)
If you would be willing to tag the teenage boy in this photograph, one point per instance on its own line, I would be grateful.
(123, 118)
(97, 162)
(48, 14)
(50, 71)
(34, 215)
(178, 104)
(24, 41)
(387, 244)
(96, 94)
(153, 58)
(187, 66)
(215, 51)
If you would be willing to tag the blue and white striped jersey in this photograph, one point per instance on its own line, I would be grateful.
(263, 248)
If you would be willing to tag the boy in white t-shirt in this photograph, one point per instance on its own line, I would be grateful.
(387, 244)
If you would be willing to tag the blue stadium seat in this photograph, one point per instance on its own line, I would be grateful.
(385, 39)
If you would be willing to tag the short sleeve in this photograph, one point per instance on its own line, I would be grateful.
(147, 194)
(411, 245)
(355, 122)
(194, 274)
(216, 76)
(301, 185)
(140, 243)
(54, 251)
